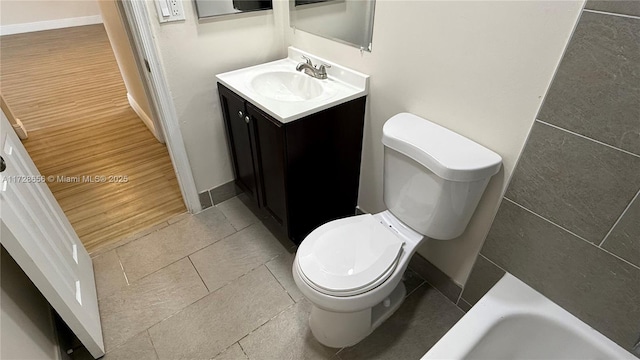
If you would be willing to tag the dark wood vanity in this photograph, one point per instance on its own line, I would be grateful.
(300, 174)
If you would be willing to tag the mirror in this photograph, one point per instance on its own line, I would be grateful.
(210, 8)
(346, 21)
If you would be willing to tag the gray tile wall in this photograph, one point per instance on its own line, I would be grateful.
(569, 224)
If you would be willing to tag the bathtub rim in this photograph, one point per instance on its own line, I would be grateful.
(512, 297)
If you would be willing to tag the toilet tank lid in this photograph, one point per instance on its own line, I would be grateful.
(446, 153)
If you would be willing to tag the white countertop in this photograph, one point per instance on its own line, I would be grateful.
(342, 86)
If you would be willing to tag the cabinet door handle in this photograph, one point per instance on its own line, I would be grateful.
(247, 119)
(240, 114)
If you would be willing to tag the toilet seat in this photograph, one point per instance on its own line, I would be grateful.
(349, 256)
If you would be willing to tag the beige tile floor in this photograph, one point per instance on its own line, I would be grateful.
(218, 285)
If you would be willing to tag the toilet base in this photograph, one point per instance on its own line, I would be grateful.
(340, 329)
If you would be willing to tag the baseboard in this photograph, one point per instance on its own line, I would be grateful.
(219, 194)
(49, 25)
(224, 192)
(205, 199)
(144, 117)
(20, 129)
(435, 277)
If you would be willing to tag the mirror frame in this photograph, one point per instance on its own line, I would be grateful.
(207, 16)
(294, 3)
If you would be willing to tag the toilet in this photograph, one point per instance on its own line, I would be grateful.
(351, 269)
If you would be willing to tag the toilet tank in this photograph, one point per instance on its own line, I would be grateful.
(433, 177)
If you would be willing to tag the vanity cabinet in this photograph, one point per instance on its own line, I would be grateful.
(300, 174)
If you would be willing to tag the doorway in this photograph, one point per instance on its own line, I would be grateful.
(110, 174)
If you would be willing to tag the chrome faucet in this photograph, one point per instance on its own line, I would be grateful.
(316, 71)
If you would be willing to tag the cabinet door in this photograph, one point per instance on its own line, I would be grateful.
(239, 133)
(271, 159)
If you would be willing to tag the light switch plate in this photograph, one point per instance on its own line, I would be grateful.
(169, 10)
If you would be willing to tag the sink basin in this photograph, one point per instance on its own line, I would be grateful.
(286, 94)
(287, 86)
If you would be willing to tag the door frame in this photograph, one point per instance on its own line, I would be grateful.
(137, 23)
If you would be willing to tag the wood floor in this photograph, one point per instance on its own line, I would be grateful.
(66, 88)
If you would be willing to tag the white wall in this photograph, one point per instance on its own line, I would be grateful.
(479, 68)
(26, 323)
(124, 53)
(18, 16)
(192, 53)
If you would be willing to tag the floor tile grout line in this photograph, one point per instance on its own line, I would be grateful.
(248, 272)
(121, 345)
(189, 304)
(209, 294)
(144, 232)
(179, 217)
(198, 272)
(272, 318)
(152, 344)
(193, 302)
(417, 287)
(570, 232)
(276, 278)
(612, 14)
(278, 281)
(227, 348)
(296, 303)
(128, 239)
(587, 138)
(162, 268)
(227, 218)
(189, 256)
(266, 322)
(242, 348)
(466, 302)
(182, 258)
(425, 281)
(126, 278)
(167, 317)
(619, 218)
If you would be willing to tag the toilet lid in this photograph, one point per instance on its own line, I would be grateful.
(349, 256)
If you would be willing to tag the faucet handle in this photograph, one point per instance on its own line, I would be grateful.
(307, 60)
(321, 70)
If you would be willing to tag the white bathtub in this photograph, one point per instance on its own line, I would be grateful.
(513, 321)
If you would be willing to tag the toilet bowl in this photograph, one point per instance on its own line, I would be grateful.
(345, 281)
(351, 269)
